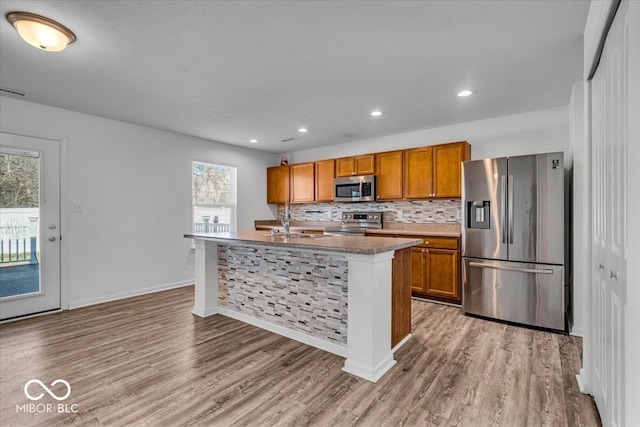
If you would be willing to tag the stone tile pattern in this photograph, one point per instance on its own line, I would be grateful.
(303, 291)
(416, 212)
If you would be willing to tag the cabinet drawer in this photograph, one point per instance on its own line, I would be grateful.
(435, 242)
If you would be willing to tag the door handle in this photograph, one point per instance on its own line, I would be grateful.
(510, 196)
(52, 239)
(503, 209)
(502, 267)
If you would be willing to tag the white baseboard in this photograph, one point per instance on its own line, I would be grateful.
(582, 385)
(578, 332)
(210, 311)
(128, 294)
(286, 332)
(401, 343)
(368, 373)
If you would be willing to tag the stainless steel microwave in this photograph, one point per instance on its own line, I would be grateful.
(355, 189)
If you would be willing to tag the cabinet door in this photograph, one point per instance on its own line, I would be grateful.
(418, 270)
(389, 177)
(345, 166)
(365, 165)
(325, 173)
(447, 164)
(418, 173)
(442, 279)
(302, 182)
(277, 184)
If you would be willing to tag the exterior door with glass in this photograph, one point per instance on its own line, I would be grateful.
(29, 225)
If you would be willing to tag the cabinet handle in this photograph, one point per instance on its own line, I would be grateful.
(426, 242)
(426, 251)
(613, 275)
(600, 267)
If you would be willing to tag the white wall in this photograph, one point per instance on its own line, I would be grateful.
(527, 133)
(133, 184)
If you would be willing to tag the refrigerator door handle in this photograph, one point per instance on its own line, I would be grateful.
(503, 209)
(510, 196)
(501, 267)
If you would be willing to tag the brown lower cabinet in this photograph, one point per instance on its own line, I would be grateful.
(435, 268)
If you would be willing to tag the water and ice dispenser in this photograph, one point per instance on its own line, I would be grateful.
(478, 214)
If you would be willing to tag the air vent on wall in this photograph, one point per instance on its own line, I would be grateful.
(287, 139)
(7, 91)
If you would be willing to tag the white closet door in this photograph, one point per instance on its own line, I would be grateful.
(609, 116)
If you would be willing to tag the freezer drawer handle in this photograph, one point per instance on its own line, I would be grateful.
(521, 270)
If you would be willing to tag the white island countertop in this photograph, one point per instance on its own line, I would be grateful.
(344, 244)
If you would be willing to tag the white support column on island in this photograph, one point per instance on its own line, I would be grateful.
(206, 271)
(369, 353)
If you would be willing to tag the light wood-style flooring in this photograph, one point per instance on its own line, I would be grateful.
(147, 361)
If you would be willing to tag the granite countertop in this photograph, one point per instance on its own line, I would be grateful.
(430, 229)
(442, 230)
(345, 244)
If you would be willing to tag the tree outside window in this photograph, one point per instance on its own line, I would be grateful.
(214, 197)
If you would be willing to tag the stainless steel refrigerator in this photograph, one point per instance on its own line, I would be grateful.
(513, 239)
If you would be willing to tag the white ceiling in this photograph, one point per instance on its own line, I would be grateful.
(232, 71)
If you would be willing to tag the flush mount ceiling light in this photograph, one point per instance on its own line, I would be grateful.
(41, 32)
(303, 130)
(376, 113)
(464, 93)
(253, 141)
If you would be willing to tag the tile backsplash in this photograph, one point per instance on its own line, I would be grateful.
(421, 211)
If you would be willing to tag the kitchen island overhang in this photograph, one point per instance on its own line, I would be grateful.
(331, 292)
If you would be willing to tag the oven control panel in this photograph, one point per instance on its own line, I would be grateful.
(362, 218)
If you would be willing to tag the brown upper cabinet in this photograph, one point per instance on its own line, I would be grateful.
(325, 173)
(302, 176)
(418, 173)
(389, 176)
(356, 165)
(447, 168)
(434, 172)
(277, 184)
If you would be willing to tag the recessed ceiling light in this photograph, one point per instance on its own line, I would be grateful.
(464, 93)
(377, 113)
(303, 130)
(253, 141)
(40, 31)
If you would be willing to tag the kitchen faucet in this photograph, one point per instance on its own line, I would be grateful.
(286, 220)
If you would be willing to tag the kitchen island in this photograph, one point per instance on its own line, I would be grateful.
(331, 292)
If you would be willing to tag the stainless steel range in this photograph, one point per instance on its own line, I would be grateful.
(356, 223)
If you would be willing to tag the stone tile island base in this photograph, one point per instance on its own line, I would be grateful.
(334, 300)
